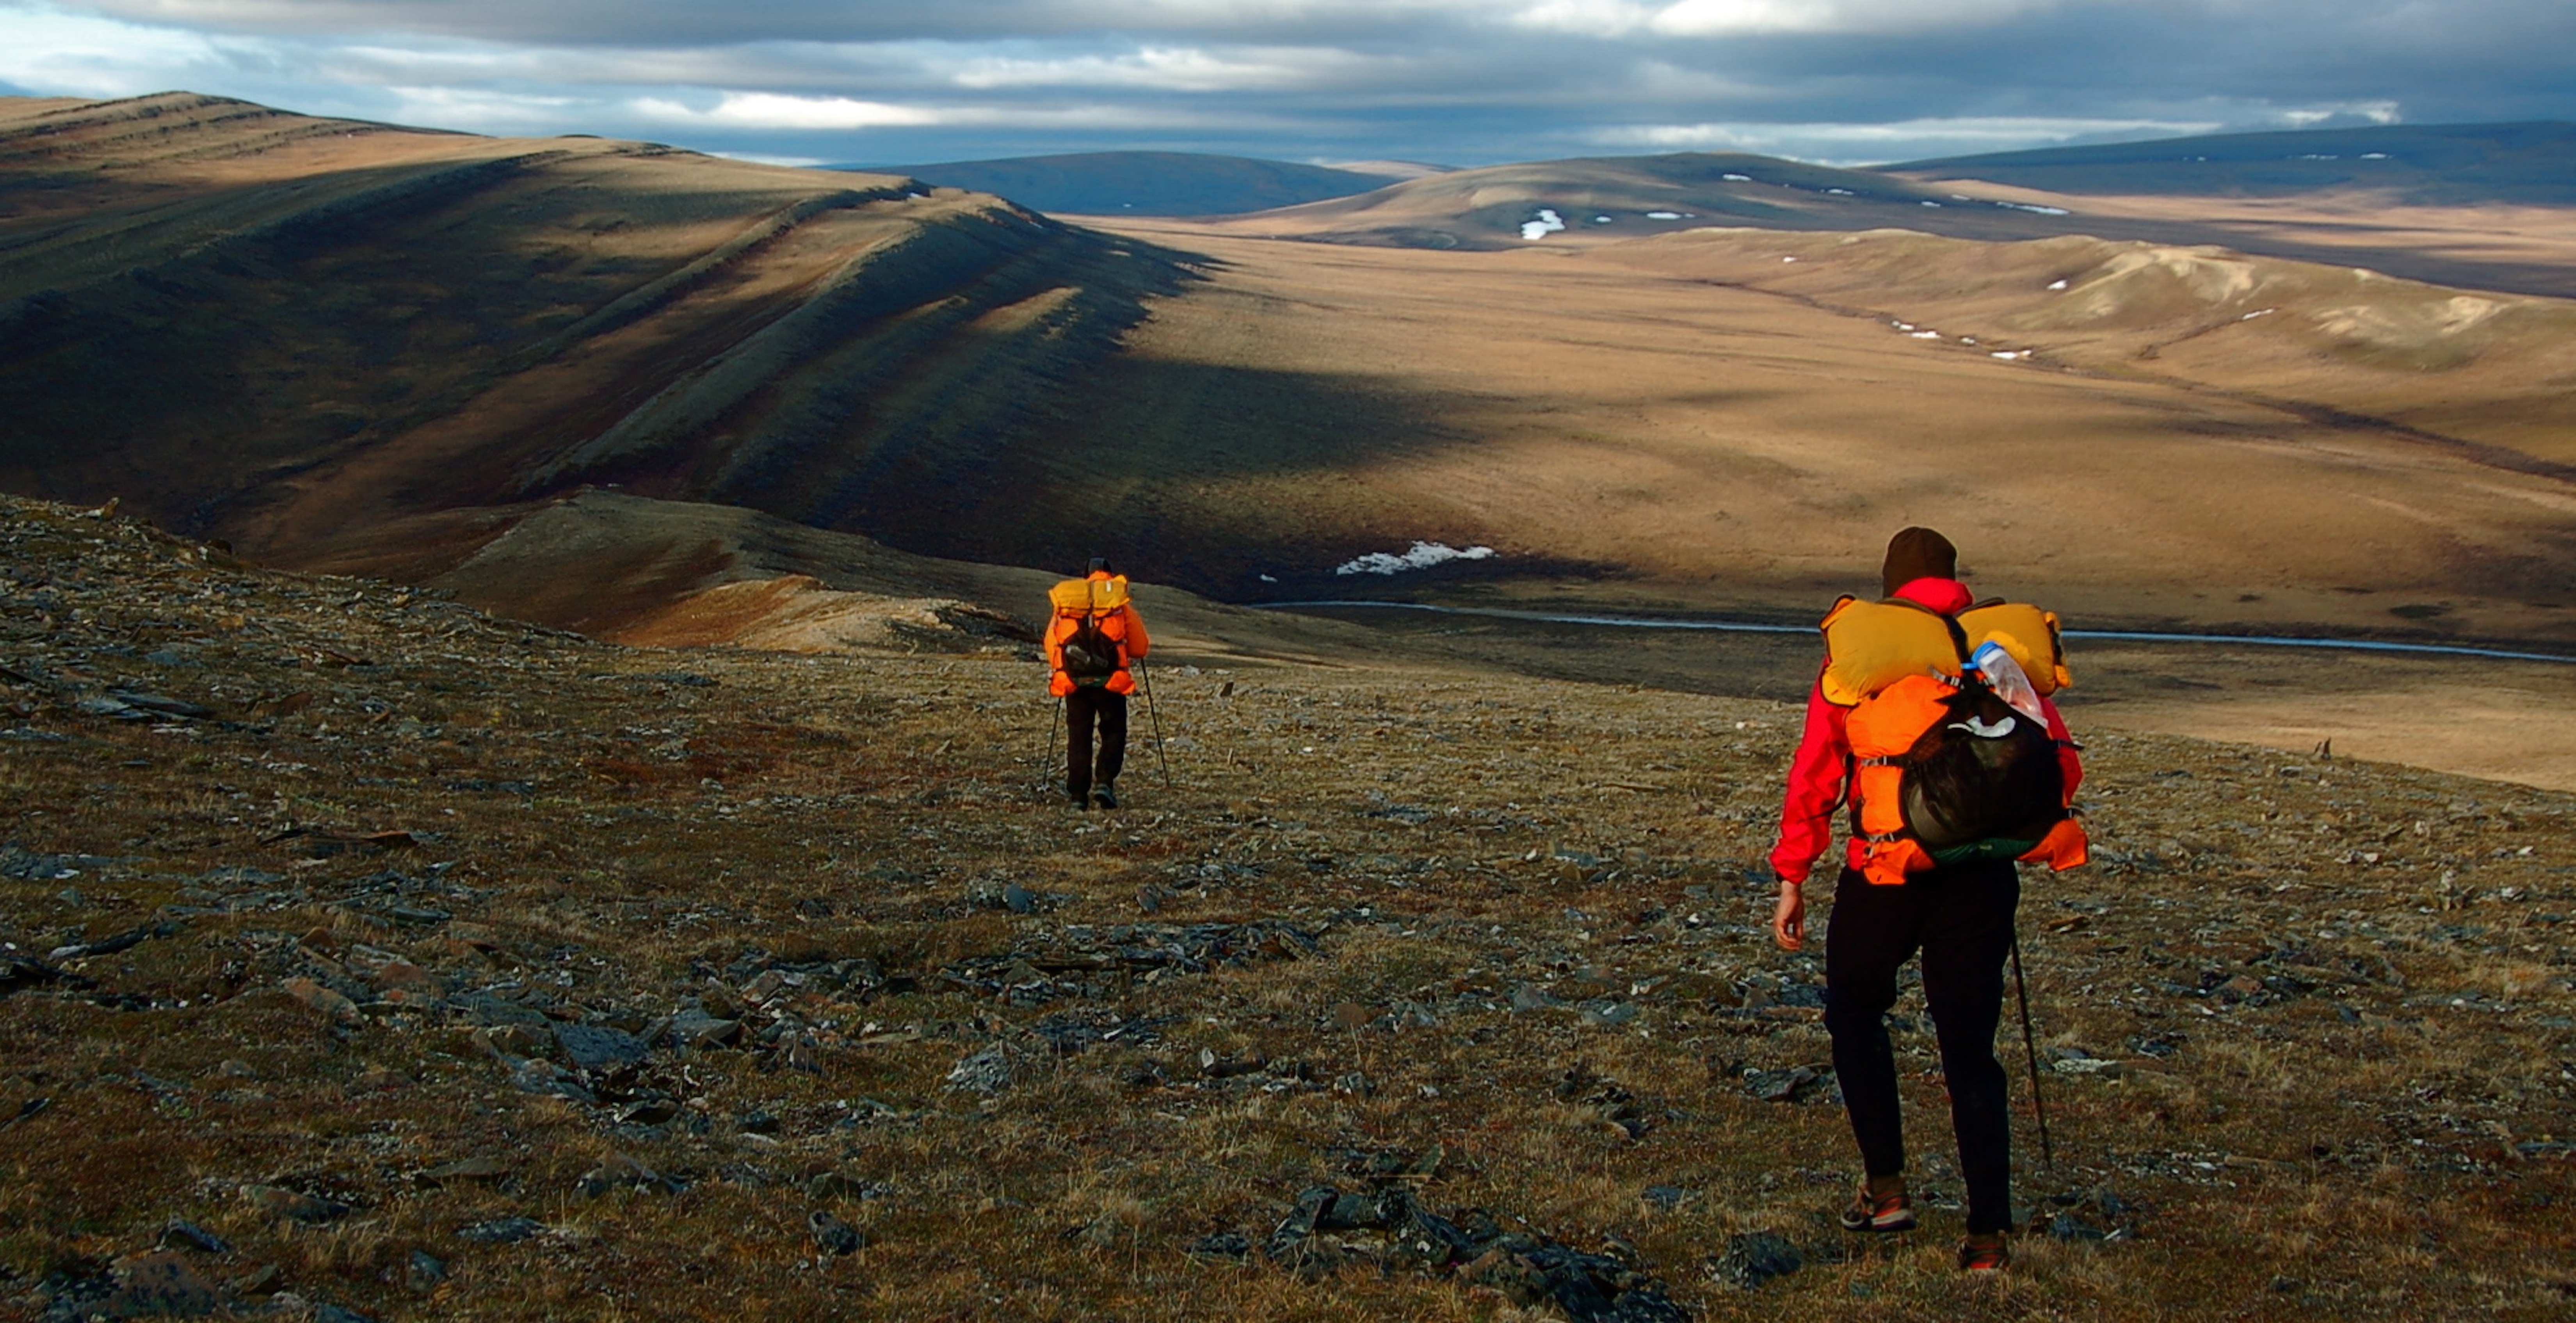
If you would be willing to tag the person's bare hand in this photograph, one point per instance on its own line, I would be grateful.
(1789, 921)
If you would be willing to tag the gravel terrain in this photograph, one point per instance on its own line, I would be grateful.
(363, 955)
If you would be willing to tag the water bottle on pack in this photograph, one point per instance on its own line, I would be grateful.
(2004, 676)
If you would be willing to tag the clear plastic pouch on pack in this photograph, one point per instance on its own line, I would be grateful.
(2004, 676)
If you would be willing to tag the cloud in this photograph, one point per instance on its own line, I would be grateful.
(59, 54)
(1457, 81)
(2367, 112)
(474, 108)
(1706, 18)
(768, 110)
(1174, 69)
(1718, 18)
(1916, 139)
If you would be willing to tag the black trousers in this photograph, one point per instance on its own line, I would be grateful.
(1961, 919)
(1081, 709)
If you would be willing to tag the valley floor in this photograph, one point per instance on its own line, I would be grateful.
(428, 965)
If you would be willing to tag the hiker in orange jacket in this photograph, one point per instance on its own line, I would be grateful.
(1959, 917)
(1093, 698)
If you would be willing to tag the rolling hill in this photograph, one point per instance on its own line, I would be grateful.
(1613, 196)
(658, 396)
(360, 345)
(2305, 211)
(1149, 183)
(1682, 423)
(279, 329)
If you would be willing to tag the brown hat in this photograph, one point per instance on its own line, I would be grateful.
(1918, 553)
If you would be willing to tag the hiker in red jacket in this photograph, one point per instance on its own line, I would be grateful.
(1959, 916)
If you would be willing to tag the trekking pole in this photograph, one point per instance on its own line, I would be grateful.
(2031, 1046)
(1054, 719)
(1155, 715)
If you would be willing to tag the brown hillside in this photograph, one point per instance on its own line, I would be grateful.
(2525, 247)
(278, 329)
(1625, 428)
(2492, 375)
(300, 334)
(536, 372)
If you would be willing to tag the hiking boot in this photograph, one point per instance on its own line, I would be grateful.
(1985, 1253)
(1891, 1211)
(1106, 794)
(1081, 800)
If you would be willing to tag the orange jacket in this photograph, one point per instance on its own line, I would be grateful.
(1123, 626)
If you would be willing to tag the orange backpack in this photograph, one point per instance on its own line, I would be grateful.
(1091, 654)
(1943, 770)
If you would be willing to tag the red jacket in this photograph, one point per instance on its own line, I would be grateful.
(1817, 774)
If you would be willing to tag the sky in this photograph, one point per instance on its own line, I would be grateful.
(1454, 82)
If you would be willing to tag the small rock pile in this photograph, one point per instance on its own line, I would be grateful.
(1389, 1228)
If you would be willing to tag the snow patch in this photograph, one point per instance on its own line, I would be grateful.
(1423, 556)
(2057, 284)
(1663, 215)
(1548, 223)
(1924, 335)
(1788, 259)
(2374, 156)
(2034, 208)
(1840, 192)
(1600, 220)
(2008, 355)
(1930, 203)
(1737, 179)
(2258, 312)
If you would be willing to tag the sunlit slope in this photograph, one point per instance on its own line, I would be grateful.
(1626, 430)
(278, 328)
(2490, 376)
(2482, 206)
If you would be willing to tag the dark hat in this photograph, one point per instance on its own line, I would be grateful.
(1100, 565)
(1917, 553)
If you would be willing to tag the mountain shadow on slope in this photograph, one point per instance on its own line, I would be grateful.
(302, 335)
(253, 327)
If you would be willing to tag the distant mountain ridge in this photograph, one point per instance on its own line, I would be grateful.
(1614, 197)
(2434, 164)
(1145, 183)
(2309, 195)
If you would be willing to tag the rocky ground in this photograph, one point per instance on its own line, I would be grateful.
(365, 956)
